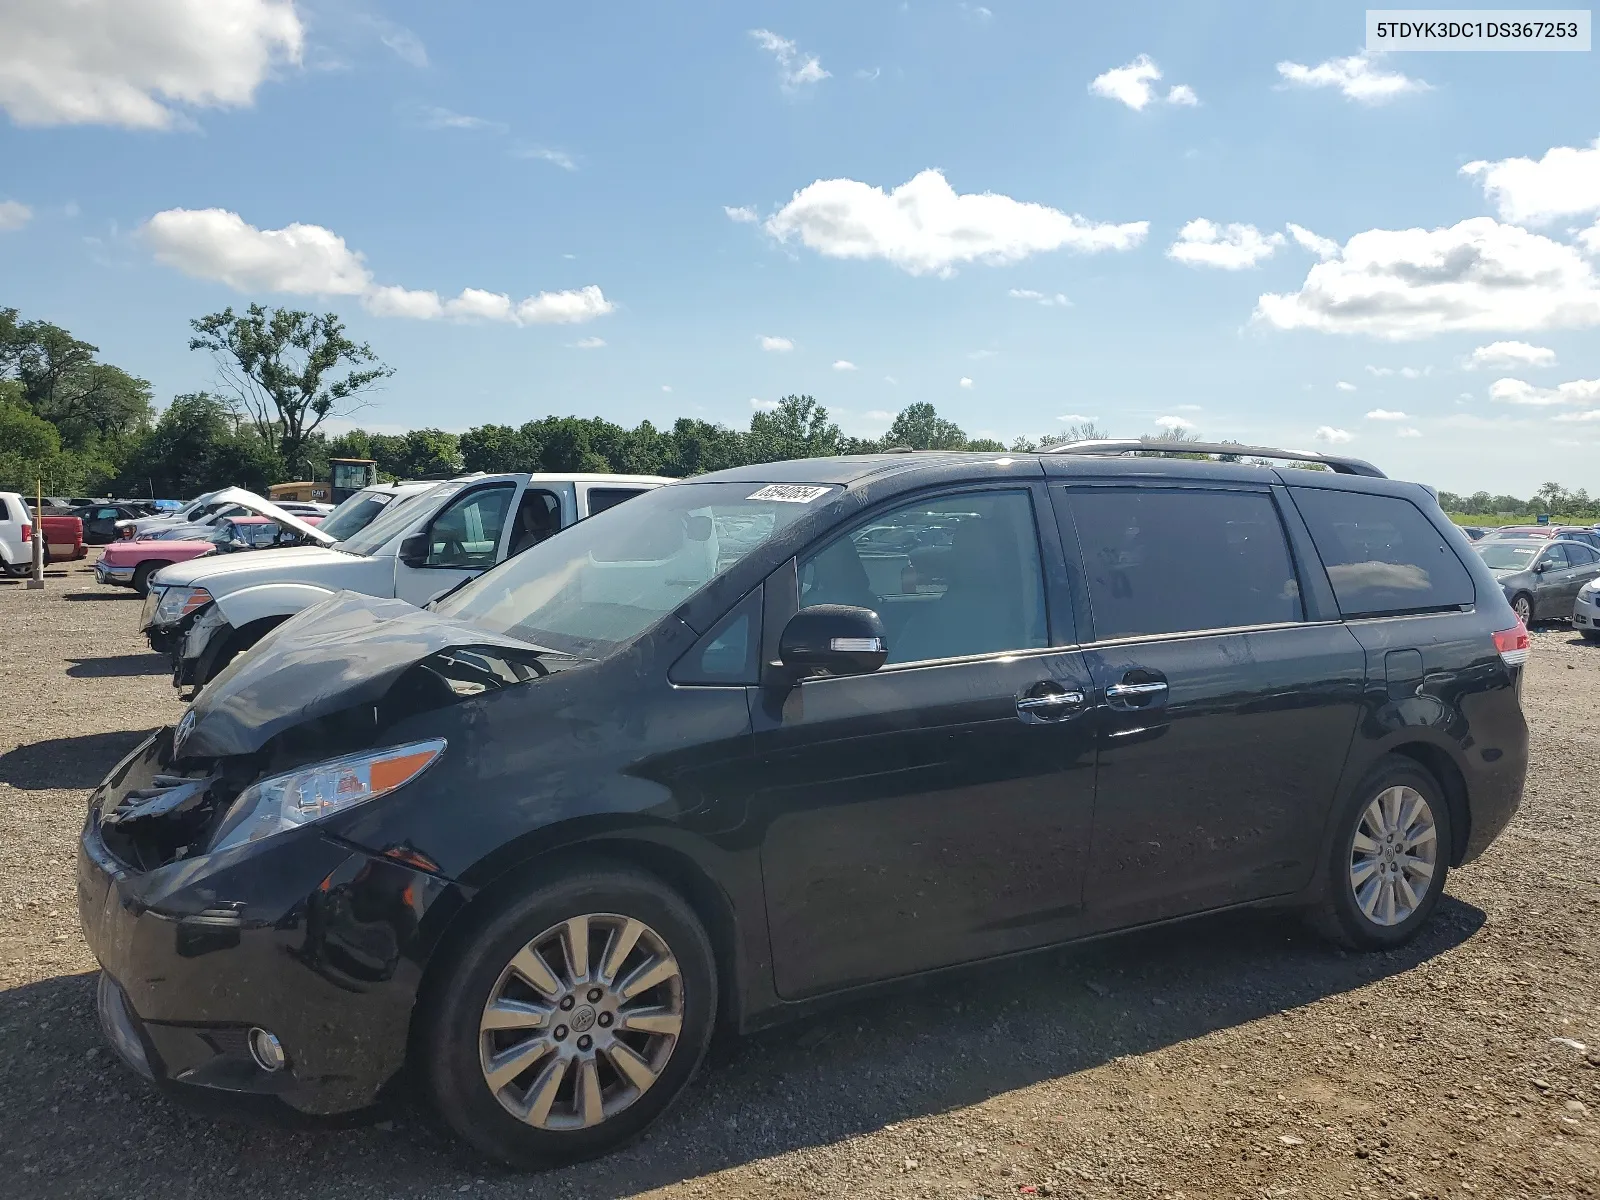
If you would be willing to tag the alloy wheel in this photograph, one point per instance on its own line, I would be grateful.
(581, 1022)
(1394, 855)
(1523, 607)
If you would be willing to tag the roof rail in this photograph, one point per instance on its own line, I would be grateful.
(1334, 462)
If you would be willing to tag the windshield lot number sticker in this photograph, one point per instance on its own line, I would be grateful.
(789, 493)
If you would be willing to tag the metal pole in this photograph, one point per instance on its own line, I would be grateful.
(38, 536)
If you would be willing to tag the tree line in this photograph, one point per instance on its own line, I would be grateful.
(86, 427)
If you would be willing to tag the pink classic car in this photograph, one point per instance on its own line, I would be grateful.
(131, 562)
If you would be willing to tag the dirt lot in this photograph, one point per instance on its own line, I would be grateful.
(1234, 1057)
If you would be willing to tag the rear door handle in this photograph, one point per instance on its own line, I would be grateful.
(1135, 695)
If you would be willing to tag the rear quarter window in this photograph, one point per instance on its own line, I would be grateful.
(1383, 556)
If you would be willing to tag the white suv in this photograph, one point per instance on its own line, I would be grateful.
(208, 610)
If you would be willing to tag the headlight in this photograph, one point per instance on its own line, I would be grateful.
(178, 602)
(320, 790)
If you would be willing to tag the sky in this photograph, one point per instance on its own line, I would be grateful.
(1227, 218)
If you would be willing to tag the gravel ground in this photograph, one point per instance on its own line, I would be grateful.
(1236, 1056)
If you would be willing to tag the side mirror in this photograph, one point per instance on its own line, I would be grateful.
(1540, 568)
(833, 639)
(414, 550)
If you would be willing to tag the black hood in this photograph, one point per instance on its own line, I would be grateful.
(346, 651)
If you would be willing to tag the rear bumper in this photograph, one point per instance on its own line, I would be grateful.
(300, 935)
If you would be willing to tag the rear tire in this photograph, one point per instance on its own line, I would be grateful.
(595, 1063)
(1388, 858)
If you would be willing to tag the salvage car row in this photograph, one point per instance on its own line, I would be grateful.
(533, 812)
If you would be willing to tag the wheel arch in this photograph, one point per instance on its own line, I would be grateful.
(672, 865)
(1436, 761)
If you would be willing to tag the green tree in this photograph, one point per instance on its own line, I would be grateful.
(94, 406)
(696, 447)
(497, 448)
(797, 428)
(288, 370)
(195, 446)
(920, 427)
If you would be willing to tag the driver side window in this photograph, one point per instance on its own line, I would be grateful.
(467, 533)
(951, 576)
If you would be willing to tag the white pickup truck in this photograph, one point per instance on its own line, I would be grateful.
(206, 611)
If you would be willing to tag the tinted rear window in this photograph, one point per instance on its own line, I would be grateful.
(601, 499)
(1174, 560)
(1383, 556)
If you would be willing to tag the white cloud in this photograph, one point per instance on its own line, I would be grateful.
(1131, 85)
(589, 343)
(559, 158)
(869, 76)
(666, 387)
(844, 364)
(14, 215)
(1589, 239)
(1203, 243)
(1174, 423)
(1403, 372)
(1512, 354)
(741, 214)
(401, 42)
(794, 69)
(978, 355)
(1323, 248)
(213, 243)
(139, 63)
(403, 302)
(1076, 419)
(1336, 437)
(776, 345)
(924, 226)
(1190, 407)
(1384, 414)
(1517, 391)
(965, 382)
(1592, 415)
(1356, 77)
(976, 11)
(878, 415)
(1048, 300)
(1345, 387)
(1410, 431)
(434, 117)
(890, 379)
(309, 260)
(1478, 275)
(763, 405)
(1564, 183)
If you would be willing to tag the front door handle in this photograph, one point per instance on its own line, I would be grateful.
(1049, 706)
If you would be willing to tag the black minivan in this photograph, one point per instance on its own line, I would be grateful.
(779, 734)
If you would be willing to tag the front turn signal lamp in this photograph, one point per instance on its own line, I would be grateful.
(322, 789)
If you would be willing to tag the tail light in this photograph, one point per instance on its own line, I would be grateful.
(27, 533)
(1513, 645)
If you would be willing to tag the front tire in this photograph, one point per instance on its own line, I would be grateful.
(1388, 860)
(1522, 605)
(142, 573)
(571, 1018)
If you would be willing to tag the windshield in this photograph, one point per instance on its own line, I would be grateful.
(356, 513)
(376, 535)
(1507, 556)
(600, 584)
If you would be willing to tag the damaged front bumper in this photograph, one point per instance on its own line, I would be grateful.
(316, 941)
